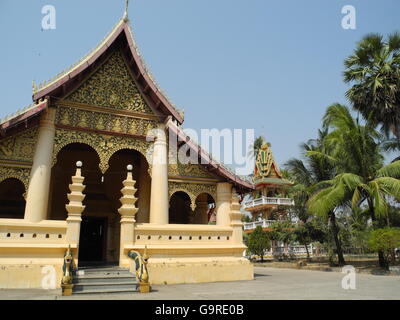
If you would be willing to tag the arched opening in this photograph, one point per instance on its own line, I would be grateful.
(116, 174)
(62, 172)
(205, 206)
(12, 202)
(180, 211)
(100, 218)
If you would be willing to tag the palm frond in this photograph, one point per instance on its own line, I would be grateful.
(390, 170)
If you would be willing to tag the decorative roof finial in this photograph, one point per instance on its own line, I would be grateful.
(126, 10)
(34, 86)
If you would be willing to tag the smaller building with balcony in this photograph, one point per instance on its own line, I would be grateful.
(269, 200)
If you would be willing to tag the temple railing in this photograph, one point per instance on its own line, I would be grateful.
(268, 201)
(14, 231)
(181, 233)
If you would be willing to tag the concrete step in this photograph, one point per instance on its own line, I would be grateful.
(104, 280)
(112, 291)
(108, 279)
(102, 267)
(103, 272)
(104, 287)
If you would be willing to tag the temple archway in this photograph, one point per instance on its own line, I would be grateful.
(180, 211)
(116, 174)
(98, 239)
(62, 172)
(12, 201)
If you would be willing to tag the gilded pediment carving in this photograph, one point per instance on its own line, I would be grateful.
(112, 86)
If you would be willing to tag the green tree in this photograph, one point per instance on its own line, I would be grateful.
(257, 242)
(306, 233)
(308, 175)
(374, 72)
(358, 228)
(256, 146)
(281, 231)
(385, 240)
(362, 177)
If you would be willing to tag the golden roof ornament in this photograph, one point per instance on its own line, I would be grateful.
(264, 162)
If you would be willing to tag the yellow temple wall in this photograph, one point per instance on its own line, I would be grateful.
(178, 253)
(30, 251)
(190, 254)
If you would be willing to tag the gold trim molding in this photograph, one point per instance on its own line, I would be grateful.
(104, 145)
(107, 110)
(22, 174)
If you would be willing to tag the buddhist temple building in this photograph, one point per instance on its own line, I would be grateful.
(64, 179)
(269, 200)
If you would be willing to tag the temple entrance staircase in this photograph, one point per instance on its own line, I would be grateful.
(104, 280)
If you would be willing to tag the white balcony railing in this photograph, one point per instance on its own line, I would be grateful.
(268, 201)
(262, 223)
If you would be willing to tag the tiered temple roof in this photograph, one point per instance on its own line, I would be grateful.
(266, 171)
(65, 82)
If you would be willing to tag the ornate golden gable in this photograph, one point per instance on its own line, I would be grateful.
(265, 163)
(111, 86)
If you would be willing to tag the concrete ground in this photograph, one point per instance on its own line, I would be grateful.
(268, 284)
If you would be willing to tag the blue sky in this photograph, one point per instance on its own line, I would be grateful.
(269, 65)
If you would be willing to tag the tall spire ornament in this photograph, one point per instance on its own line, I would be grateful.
(126, 10)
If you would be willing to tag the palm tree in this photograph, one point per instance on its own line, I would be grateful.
(256, 146)
(362, 178)
(374, 72)
(308, 174)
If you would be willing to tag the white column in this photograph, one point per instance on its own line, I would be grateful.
(223, 203)
(39, 184)
(159, 205)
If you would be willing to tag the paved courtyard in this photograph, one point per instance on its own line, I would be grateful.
(269, 284)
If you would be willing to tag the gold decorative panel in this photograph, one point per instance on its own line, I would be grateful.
(111, 86)
(21, 174)
(188, 170)
(104, 145)
(193, 190)
(70, 116)
(19, 147)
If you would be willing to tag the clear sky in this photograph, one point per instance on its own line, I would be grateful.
(269, 65)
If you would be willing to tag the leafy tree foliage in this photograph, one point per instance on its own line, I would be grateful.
(258, 241)
(385, 240)
(306, 233)
(374, 72)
